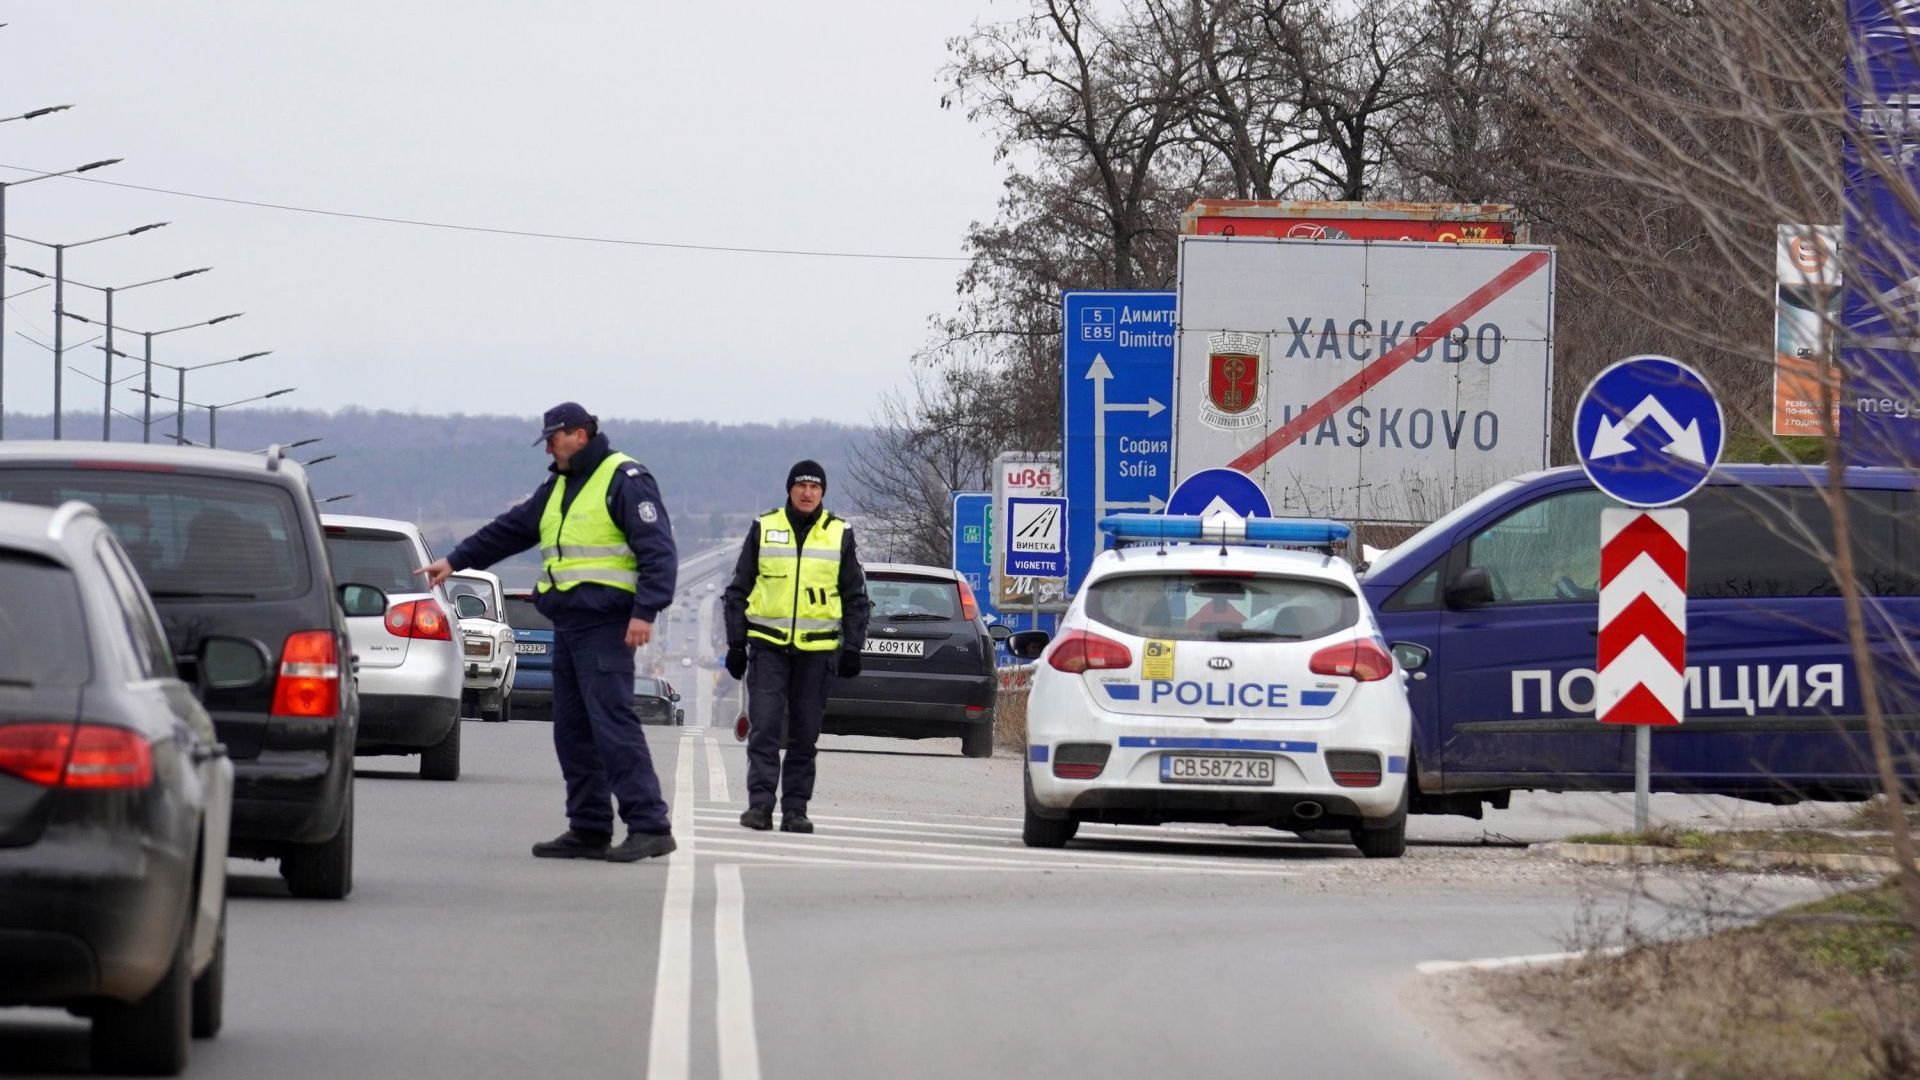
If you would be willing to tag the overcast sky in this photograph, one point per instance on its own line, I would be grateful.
(768, 124)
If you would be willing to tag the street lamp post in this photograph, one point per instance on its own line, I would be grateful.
(213, 411)
(4, 185)
(59, 298)
(147, 421)
(106, 408)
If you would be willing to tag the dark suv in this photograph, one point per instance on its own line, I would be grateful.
(230, 544)
(927, 668)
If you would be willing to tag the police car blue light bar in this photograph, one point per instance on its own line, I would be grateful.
(1223, 528)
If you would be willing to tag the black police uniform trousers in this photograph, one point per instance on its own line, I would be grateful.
(786, 701)
(597, 735)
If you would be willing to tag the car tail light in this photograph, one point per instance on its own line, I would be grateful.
(1354, 768)
(1360, 659)
(969, 607)
(309, 683)
(419, 619)
(91, 757)
(1078, 651)
(1080, 761)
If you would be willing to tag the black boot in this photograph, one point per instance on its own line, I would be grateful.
(640, 845)
(759, 818)
(574, 844)
(795, 821)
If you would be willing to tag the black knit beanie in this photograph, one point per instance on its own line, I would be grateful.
(807, 469)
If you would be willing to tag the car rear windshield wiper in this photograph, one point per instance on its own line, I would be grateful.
(903, 616)
(196, 594)
(1236, 633)
(23, 684)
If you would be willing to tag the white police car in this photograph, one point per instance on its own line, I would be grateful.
(1217, 680)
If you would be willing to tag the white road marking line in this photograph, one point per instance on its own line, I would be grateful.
(1118, 832)
(672, 1037)
(987, 844)
(716, 772)
(744, 845)
(1443, 967)
(739, 1044)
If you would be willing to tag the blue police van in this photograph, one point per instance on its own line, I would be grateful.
(1492, 610)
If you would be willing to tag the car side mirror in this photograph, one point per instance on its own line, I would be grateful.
(469, 606)
(675, 696)
(1028, 644)
(1470, 588)
(231, 663)
(358, 600)
(1411, 657)
(999, 631)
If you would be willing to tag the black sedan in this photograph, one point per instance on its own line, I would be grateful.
(115, 796)
(657, 702)
(927, 667)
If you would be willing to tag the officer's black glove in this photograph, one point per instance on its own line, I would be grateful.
(737, 661)
(849, 664)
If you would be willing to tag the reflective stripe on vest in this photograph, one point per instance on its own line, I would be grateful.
(583, 543)
(796, 595)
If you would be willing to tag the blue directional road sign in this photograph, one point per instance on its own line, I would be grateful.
(1648, 431)
(973, 558)
(1116, 389)
(1214, 491)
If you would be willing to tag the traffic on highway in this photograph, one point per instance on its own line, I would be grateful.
(1360, 565)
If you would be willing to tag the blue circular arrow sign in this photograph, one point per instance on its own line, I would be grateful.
(1648, 431)
(1210, 491)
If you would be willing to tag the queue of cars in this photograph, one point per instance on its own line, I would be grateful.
(190, 659)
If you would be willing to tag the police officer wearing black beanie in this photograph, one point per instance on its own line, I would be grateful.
(796, 614)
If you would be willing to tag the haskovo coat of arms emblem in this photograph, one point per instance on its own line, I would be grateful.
(1235, 398)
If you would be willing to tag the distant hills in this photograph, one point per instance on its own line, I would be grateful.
(452, 473)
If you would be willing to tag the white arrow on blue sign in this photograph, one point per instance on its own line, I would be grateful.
(1211, 492)
(1116, 386)
(1648, 431)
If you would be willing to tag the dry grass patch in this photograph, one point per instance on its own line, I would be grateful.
(1010, 720)
(1716, 841)
(1824, 990)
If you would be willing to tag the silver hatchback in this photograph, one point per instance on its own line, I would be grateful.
(407, 662)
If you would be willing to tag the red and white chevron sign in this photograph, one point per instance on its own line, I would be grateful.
(1643, 617)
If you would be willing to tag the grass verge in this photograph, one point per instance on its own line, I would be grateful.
(1823, 990)
(1716, 841)
(1010, 720)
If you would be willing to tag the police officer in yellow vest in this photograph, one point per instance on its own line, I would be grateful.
(608, 567)
(796, 614)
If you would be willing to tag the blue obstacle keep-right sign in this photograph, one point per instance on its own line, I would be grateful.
(1215, 491)
(1648, 431)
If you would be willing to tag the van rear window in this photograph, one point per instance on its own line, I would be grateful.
(190, 536)
(522, 615)
(43, 641)
(1189, 607)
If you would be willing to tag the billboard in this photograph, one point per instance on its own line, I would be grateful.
(1880, 407)
(1806, 308)
(1037, 576)
(1366, 381)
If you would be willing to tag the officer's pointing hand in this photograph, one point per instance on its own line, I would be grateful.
(437, 571)
(639, 632)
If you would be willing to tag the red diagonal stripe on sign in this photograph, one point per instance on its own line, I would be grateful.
(1639, 706)
(1390, 361)
(1644, 619)
(1644, 536)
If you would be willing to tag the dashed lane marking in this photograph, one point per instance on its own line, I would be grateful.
(733, 1009)
(716, 772)
(671, 1039)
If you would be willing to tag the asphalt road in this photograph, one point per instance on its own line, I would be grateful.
(911, 936)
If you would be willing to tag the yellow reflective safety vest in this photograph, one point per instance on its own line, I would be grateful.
(796, 595)
(583, 543)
